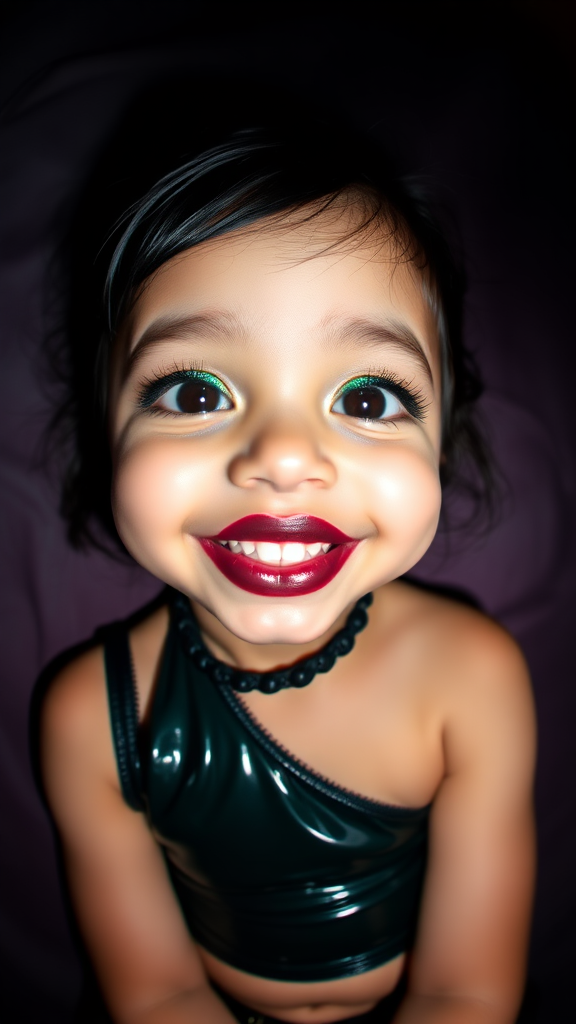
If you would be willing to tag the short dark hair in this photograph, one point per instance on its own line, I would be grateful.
(252, 175)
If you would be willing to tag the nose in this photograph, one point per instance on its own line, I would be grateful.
(283, 456)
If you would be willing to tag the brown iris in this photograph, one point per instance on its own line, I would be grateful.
(368, 403)
(196, 396)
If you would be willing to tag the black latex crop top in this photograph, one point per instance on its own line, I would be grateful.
(278, 871)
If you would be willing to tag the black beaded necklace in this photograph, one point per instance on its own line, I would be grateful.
(300, 673)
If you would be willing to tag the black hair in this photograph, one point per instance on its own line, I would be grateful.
(258, 174)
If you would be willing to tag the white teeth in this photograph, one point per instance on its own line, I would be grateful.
(271, 553)
(293, 553)
(290, 553)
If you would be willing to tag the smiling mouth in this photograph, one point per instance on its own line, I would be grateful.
(279, 557)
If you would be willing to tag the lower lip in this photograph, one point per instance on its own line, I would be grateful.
(278, 580)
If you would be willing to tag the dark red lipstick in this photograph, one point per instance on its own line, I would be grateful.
(269, 580)
(302, 529)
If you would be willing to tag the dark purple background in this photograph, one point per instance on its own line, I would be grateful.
(478, 96)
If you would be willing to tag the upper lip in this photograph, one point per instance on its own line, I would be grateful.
(279, 530)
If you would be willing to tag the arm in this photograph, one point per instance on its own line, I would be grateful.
(469, 960)
(147, 964)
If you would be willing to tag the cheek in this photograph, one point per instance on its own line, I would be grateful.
(151, 496)
(406, 499)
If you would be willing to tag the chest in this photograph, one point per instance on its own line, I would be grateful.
(368, 727)
(217, 782)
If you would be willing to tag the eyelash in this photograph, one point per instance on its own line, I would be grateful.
(410, 397)
(155, 387)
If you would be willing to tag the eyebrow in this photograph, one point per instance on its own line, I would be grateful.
(391, 332)
(217, 325)
(226, 326)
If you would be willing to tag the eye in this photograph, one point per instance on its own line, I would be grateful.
(186, 393)
(193, 397)
(367, 400)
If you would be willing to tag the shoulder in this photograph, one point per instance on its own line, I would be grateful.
(76, 751)
(456, 639)
(75, 736)
(75, 733)
(76, 697)
(469, 667)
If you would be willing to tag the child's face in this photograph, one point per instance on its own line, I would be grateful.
(290, 387)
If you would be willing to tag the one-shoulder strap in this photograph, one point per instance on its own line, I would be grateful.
(123, 704)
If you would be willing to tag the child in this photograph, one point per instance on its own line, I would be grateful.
(281, 798)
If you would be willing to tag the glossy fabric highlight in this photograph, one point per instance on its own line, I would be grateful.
(279, 872)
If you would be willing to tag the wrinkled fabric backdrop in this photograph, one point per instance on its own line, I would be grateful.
(476, 96)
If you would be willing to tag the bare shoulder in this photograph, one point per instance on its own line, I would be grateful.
(74, 724)
(469, 666)
(457, 639)
(75, 736)
(126, 909)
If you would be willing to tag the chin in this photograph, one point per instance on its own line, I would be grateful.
(278, 621)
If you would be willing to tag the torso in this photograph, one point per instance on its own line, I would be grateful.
(376, 725)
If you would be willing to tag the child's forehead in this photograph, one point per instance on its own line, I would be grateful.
(318, 270)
